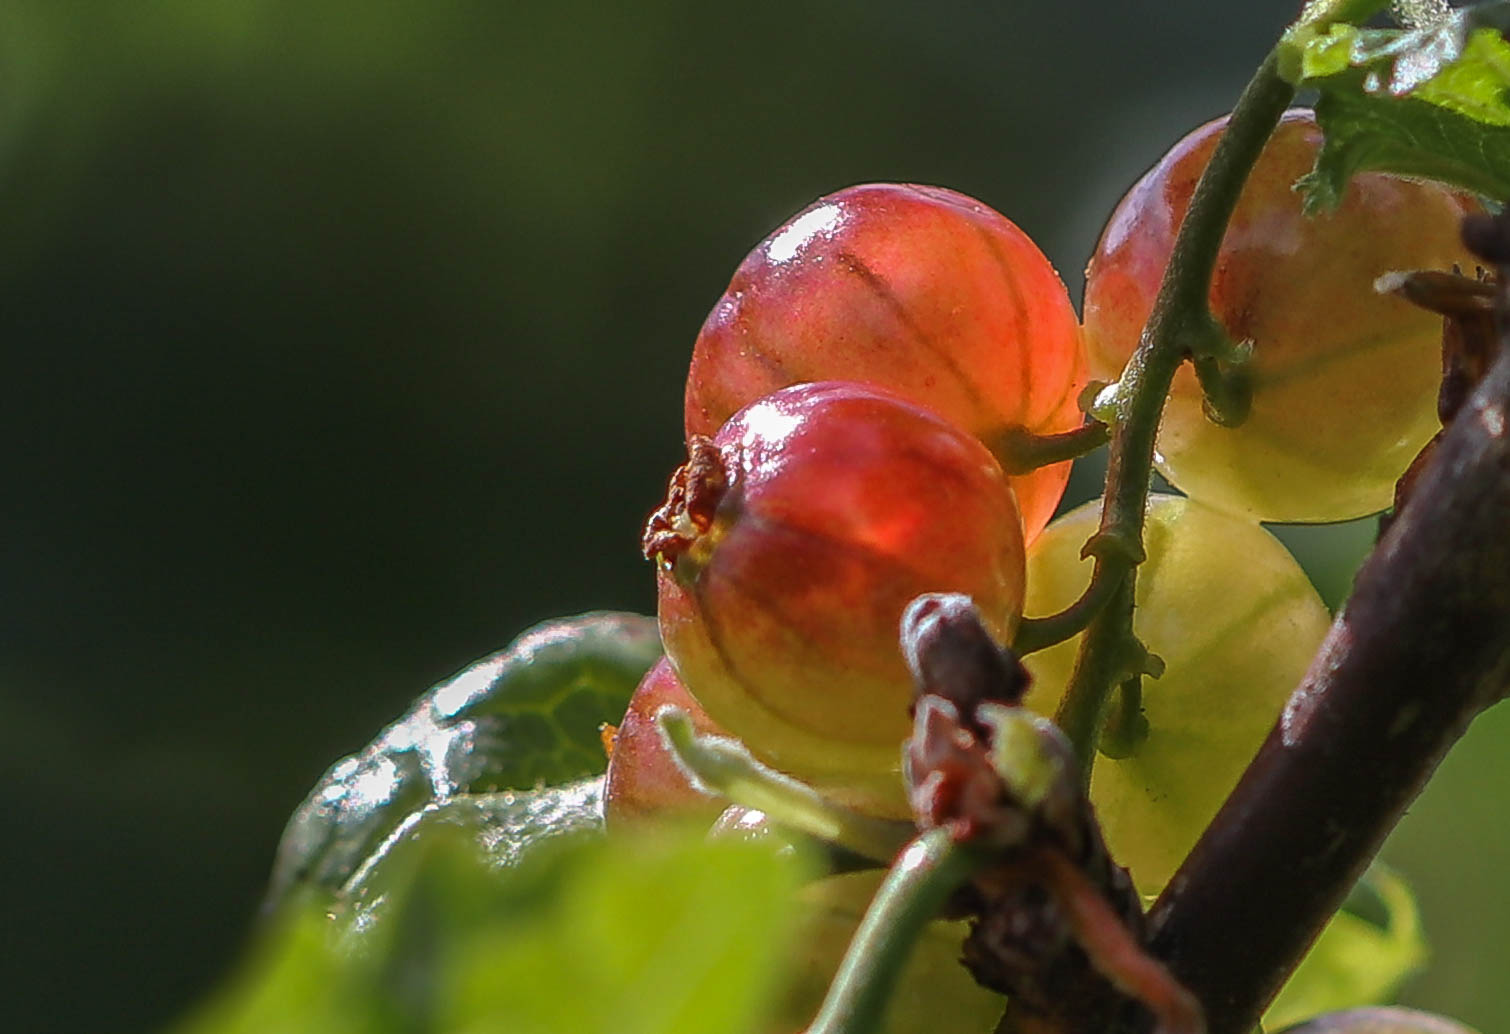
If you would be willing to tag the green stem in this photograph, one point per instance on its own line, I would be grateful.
(1034, 634)
(1019, 451)
(726, 769)
(924, 876)
(1101, 665)
(1126, 726)
(1180, 325)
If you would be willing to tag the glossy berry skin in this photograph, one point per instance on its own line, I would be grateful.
(1236, 622)
(644, 783)
(919, 290)
(788, 548)
(1345, 379)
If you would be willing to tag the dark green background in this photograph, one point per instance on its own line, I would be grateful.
(345, 339)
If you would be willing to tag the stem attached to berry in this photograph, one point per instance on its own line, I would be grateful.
(1420, 648)
(1020, 451)
(1034, 634)
(726, 769)
(1179, 328)
(1126, 726)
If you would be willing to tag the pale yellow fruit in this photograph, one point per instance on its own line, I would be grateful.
(1236, 622)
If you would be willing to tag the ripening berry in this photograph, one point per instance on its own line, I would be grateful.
(919, 290)
(788, 547)
(1344, 379)
(644, 782)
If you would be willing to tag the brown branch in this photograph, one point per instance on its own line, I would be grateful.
(1115, 952)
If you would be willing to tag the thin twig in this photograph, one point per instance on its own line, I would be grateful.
(1113, 950)
(1181, 326)
(1034, 634)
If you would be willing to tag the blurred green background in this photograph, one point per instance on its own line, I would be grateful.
(344, 340)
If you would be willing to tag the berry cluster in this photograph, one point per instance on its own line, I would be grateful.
(879, 344)
(855, 408)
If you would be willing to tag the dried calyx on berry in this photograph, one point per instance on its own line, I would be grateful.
(788, 547)
(685, 519)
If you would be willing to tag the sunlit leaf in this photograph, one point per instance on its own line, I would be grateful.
(1429, 102)
(675, 935)
(504, 827)
(523, 717)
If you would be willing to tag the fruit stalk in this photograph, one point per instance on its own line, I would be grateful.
(1020, 451)
(1181, 325)
(1034, 634)
(724, 767)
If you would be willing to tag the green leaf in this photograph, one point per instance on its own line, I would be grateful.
(1407, 137)
(1428, 102)
(1357, 960)
(504, 827)
(523, 717)
(532, 712)
(677, 935)
(660, 941)
(294, 982)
